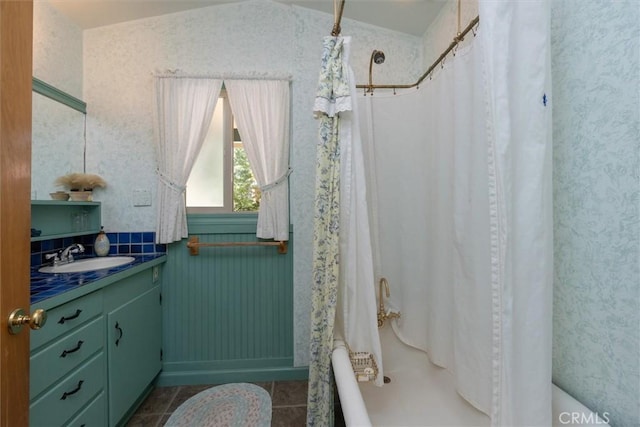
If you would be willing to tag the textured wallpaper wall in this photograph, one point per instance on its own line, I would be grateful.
(57, 49)
(248, 37)
(596, 99)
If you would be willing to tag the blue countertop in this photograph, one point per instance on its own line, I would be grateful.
(48, 285)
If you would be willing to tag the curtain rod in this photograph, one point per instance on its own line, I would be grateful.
(337, 17)
(456, 40)
(179, 74)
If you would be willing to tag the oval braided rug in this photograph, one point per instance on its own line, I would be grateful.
(228, 405)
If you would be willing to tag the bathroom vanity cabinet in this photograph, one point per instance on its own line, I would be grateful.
(97, 354)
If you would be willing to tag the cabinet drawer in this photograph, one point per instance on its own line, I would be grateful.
(66, 317)
(94, 415)
(60, 403)
(55, 361)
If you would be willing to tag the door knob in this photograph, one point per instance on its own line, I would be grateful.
(19, 318)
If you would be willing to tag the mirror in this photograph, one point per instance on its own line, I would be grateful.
(58, 122)
(58, 137)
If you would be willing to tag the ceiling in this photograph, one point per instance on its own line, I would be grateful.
(406, 16)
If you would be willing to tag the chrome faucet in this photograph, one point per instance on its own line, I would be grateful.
(65, 256)
(382, 312)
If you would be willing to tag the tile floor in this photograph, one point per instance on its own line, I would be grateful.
(288, 398)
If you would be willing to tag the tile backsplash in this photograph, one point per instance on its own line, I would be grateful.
(136, 243)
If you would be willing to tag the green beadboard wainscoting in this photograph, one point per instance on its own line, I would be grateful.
(227, 312)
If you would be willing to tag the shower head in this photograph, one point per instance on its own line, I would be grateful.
(377, 56)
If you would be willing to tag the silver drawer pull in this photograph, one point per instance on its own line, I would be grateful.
(74, 391)
(73, 350)
(74, 316)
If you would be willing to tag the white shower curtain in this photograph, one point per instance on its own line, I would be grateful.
(516, 65)
(467, 232)
(357, 299)
(434, 222)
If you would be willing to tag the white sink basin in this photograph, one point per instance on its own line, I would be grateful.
(89, 264)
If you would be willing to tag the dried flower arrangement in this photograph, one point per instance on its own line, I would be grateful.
(80, 181)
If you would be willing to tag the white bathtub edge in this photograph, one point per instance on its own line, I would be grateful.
(567, 411)
(352, 404)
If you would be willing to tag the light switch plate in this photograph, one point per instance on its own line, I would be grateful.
(141, 198)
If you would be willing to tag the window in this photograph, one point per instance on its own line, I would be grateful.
(221, 179)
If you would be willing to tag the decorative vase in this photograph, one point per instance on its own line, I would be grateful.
(101, 245)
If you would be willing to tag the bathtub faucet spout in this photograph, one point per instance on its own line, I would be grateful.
(382, 312)
(383, 285)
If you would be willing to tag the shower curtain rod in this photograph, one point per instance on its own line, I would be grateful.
(337, 17)
(456, 40)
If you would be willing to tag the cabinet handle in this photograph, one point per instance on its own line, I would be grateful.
(74, 391)
(73, 350)
(119, 329)
(74, 316)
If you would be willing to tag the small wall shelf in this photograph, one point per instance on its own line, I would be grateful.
(56, 219)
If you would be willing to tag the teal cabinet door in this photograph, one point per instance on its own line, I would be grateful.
(134, 347)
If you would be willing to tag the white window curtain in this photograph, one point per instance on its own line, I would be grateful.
(184, 108)
(261, 109)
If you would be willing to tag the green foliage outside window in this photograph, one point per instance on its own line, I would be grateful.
(246, 194)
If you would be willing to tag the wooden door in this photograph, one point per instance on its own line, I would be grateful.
(16, 34)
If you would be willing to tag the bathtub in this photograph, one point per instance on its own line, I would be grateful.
(421, 394)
